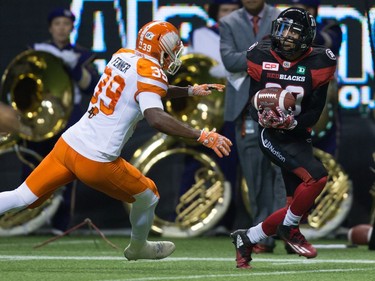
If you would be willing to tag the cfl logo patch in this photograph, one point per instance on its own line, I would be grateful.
(149, 35)
(270, 66)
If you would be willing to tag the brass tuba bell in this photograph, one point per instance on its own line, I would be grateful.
(38, 86)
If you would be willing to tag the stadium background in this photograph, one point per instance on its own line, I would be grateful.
(106, 25)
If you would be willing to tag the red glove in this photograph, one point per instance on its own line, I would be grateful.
(267, 118)
(204, 89)
(218, 143)
(287, 121)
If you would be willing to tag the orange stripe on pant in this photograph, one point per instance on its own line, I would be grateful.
(118, 179)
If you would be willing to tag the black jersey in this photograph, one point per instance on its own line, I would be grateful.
(307, 78)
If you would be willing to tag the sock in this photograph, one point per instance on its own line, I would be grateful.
(18, 198)
(141, 217)
(256, 233)
(291, 219)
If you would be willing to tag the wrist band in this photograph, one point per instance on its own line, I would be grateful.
(190, 90)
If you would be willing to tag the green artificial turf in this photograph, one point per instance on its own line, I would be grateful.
(203, 258)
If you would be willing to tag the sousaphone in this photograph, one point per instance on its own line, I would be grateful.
(37, 85)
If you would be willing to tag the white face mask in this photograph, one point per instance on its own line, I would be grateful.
(173, 47)
(176, 62)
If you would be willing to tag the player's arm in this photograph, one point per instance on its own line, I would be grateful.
(165, 123)
(254, 88)
(314, 108)
(196, 90)
(157, 118)
(254, 70)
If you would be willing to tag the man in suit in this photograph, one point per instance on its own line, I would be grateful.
(238, 31)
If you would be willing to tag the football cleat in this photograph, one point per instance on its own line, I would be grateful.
(151, 250)
(261, 248)
(243, 247)
(289, 250)
(297, 242)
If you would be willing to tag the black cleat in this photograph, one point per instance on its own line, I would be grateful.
(243, 247)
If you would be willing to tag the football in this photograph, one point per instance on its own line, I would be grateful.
(360, 234)
(272, 97)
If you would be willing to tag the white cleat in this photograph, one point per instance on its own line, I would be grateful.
(151, 251)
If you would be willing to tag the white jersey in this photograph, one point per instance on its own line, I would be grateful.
(114, 110)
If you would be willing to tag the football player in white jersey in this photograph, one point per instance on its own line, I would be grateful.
(131, 88)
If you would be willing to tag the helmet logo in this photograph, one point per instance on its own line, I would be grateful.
(149, 35)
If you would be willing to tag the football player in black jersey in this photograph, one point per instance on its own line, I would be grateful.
(288, 60)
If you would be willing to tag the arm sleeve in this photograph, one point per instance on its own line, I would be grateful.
(314, 109)
(255, 87)
(149, 100)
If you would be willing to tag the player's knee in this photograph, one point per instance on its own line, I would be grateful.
(311, 177)
(318, 184)
(145, 199)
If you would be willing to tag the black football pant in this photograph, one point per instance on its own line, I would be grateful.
(292, 152)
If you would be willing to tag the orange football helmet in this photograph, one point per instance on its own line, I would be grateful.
(160, 40)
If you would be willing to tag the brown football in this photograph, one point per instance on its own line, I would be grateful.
(272, 97)
(360, 234)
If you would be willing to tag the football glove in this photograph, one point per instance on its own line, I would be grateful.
(218, 143)
(287, 121)
(204, 89)
(267, 118)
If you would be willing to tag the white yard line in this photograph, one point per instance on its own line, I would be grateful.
(248, 274)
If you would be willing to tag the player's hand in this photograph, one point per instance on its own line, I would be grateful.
(205, 89)
(218, 143)
(267, 118)
(287, 121)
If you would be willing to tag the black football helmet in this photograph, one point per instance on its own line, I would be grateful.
(296, 21)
